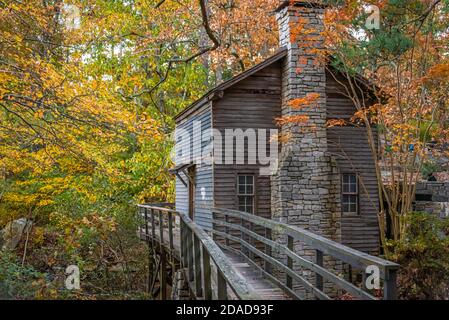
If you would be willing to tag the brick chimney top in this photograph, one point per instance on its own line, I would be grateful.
(302, 3)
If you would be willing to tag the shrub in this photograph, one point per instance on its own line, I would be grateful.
(20, 282)
(424, 258)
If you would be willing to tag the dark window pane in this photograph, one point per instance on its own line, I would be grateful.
(245, 185)
(353, 188)
(349, 198)
(353, 178)
(353, 208)
(349, 203)
(246, 193)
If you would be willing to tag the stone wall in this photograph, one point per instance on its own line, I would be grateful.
(437, 191)
(433, 197)
(305, 189)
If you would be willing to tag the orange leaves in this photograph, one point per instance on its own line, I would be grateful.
(247, 30)
(370, 114)
(298, 30)
(336, 123)
(39, 114)
(302, 61)
(281, 137)
(292, 119)
(438, 73)
(310, 100)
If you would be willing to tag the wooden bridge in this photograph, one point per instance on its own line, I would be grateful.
(238, 259)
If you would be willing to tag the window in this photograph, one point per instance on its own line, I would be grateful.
(350, 194)
(246, 193)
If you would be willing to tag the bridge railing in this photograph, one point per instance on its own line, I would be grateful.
(251, 237)
(179, 238)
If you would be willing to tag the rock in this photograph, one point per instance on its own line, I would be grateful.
(13, 232)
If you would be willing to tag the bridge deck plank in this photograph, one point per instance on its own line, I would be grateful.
(266, 289)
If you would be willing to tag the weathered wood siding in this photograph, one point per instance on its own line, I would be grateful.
(349, 146)
(253, 103)
(204, 172)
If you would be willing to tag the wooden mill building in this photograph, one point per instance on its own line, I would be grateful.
(324, 179)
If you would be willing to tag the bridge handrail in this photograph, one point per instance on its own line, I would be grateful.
(322, 246)
(194, 241)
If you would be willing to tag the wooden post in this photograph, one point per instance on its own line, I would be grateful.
(207, 275)
(222, 291)
(390, 289)
(147, 232)
(227, 230)
(251, 241)
(191, 268)
(350, 273)
(161, 229)
(150, 270)
(163, 276)
(197, 258)
(318, 277)
(163, 268)
(170, 235)
(268, 252)
(364, 279)
(153, 228)
(289, 282)
(242, 248)
(184, 257)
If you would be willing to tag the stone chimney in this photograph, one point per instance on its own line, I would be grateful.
(305, 188)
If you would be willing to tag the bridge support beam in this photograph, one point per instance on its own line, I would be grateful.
(180, 290)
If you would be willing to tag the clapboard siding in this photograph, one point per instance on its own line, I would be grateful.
(253, 103)
(204, 173)
(349, 146)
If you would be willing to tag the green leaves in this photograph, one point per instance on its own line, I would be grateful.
(424, 257)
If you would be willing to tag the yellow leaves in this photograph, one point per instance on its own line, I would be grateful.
(20, 199)
(44, 203)
(39, 114)
(38, 236)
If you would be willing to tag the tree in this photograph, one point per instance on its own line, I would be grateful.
(88, 89)
(404, 65)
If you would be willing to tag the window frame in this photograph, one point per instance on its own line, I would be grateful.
(349, 193)
(253, 194)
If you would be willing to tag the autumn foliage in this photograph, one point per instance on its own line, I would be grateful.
(88, 90)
